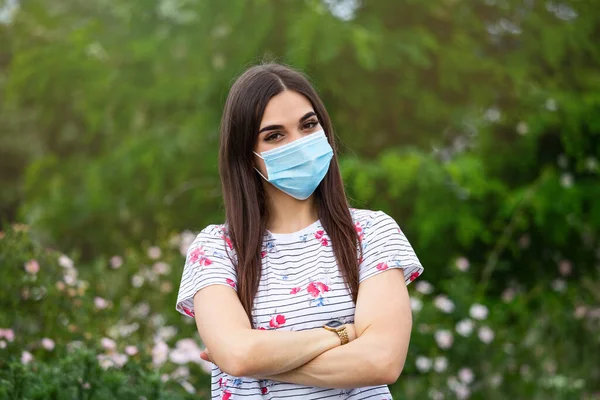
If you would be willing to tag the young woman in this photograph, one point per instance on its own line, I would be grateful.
(296, 295)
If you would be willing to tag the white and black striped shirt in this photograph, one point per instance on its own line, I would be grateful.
(301, 288)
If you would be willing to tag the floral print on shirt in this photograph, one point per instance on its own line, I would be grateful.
(198, 255)
(277, 321)
(320, 236)
(318, 291)
(301, 288)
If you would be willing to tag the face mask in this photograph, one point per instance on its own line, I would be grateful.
(297, 168)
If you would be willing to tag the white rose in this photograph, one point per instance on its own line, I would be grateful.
(486, 334)
(423, 364)
(108, 344)
(154, 252)
(443, 338)
(100, 303)
(188, 387)
(440, 364)
(495, 380)
(416, 305)
(462, 392)
(478, 311)
(65, 261)
(160, 353)
(465, 327)
(443, 303)
(462, 264)
(119, 359)
(105, 361)
(137, 280)
(48, 344)
(559, 285)
(424, 287)
(466, 375)
(26, 357)
(116, 262)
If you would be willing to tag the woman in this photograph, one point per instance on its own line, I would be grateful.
(297, 295)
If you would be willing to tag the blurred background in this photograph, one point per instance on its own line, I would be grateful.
(475, 124)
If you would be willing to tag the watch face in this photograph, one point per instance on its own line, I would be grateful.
(334, 324)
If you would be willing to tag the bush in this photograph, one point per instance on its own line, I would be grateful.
(527, 344)
(79, 375)
(51, 308)
(95, 333)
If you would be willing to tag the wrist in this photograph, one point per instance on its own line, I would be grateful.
(333, 340)
(339, 329)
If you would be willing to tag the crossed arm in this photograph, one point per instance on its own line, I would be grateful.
(313, 357)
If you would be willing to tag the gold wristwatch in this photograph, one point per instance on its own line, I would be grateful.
(339, 328)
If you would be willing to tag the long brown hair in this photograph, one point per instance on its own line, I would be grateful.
(243, 192)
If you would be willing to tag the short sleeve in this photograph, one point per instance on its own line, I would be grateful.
(385, 247)
(207, 263)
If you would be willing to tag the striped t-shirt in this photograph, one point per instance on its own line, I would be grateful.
(301, 288)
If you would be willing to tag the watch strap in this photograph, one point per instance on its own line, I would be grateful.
(343, 334)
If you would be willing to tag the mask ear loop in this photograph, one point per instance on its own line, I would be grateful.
(258, 155)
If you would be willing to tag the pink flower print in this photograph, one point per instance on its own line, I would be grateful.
(317, 288)
(277, 321)
(226, 395)
(264, 390)
(295, 290)
(262, 328)
(359, 230)
(223, 382)
(205, 262)
(320, 236)
(263, 254)
(230, 282)
(228, 241)
(414, 276)
(196, 254)
(382, 266)
(189, 312)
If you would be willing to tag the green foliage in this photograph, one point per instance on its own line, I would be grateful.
(527, 343)
(533, 344)
(79, 376)
(127, 113)
(475, 124)
(93, 332)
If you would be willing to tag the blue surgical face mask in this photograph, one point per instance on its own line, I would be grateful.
(297, 168)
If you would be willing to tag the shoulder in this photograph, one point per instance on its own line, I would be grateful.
(214, 237)
(371, 225)
(370, 218)
(210, 233)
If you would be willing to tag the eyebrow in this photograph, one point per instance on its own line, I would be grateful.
(273, 127)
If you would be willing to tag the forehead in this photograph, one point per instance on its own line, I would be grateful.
(285, 108)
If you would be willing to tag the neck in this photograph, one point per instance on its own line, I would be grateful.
(287, 214)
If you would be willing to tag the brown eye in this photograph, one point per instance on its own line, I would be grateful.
(311, 124)
(273, 136)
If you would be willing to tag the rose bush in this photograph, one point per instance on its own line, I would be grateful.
(91, 330)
